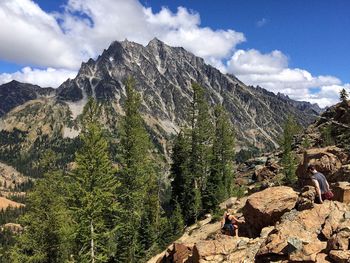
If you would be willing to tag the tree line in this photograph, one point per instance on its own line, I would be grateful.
(105, 211)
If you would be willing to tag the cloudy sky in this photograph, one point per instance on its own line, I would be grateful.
(299, 48)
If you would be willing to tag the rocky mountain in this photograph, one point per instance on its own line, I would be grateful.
(14, 93)
(311, 108)
(163, 76)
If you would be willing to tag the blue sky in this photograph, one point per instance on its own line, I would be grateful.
(300, 48)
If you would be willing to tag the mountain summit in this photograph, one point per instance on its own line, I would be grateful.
(163, 76)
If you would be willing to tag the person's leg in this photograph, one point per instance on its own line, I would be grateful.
(231, 230)
(236, 230)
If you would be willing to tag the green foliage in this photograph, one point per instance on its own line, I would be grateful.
(138, 191)
(289, 161)
(306, 144)
(246, 154)
(46, 224)
(327, 135)
(220, 180)
(344, 95)
(203, 156)
(92, 199)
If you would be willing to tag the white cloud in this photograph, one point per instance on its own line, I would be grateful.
(49, 77)
(83, 28)
(271, 71)
(30, 35)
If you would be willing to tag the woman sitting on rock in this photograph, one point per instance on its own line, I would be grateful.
(230, 223)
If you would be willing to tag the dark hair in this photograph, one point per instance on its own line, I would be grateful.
(311, 167)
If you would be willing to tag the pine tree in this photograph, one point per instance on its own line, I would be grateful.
(344, 95)
(201, 140)
(138, 193)
(47, 224)
(179, 171)
(220, 180)
(289, 161)
(93, 200)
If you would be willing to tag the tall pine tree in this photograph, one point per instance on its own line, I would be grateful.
(93, 193)
(220, 181)
(289, 161)
(202, 134)
(138, 191)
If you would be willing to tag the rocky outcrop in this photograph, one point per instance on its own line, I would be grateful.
(306, 198)
(301, 236)
(328, 160)
(265, 208)
(226, 249)
(340, 256)
(341, 191)
(6, 203)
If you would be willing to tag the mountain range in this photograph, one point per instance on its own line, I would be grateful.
(163, 77)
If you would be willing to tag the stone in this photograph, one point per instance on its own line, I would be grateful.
(340, 256)
(177, 253)
(266, 207)
(325, 160)
(297, 236)
(306, 198)
(322, 258)
(341, 191)
(339, 241)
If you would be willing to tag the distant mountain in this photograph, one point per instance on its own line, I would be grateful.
(302, 105)
(14, 93)
(163, 76)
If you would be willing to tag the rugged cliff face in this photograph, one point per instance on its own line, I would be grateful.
(163, 76)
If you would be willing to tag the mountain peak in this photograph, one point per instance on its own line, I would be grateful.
(155, 41)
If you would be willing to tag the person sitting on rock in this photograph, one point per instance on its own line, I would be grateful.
(230, 223)
(320, 183)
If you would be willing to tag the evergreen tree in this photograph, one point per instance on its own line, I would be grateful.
(47, 224)
(289, 160)
(93, 194)
(220, 180)
(179, 171)
(138, 193)
(201, 140)
(344, 95)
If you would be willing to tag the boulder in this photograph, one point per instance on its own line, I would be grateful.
(226, 249)
(298, 237)
(306, 198)
(341, 191)
(327, 160)
(266, 207)
(177, 253)
(322, 258)
(340, 256)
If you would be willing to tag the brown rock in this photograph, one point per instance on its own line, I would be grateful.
(178, 253)
(339, 241)
(326, 161)
(297, 236)
(214, 250)
(340, 256)
(266, 207)
(322, 258)
(264, 173)
(341, 191)
(306, 198)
